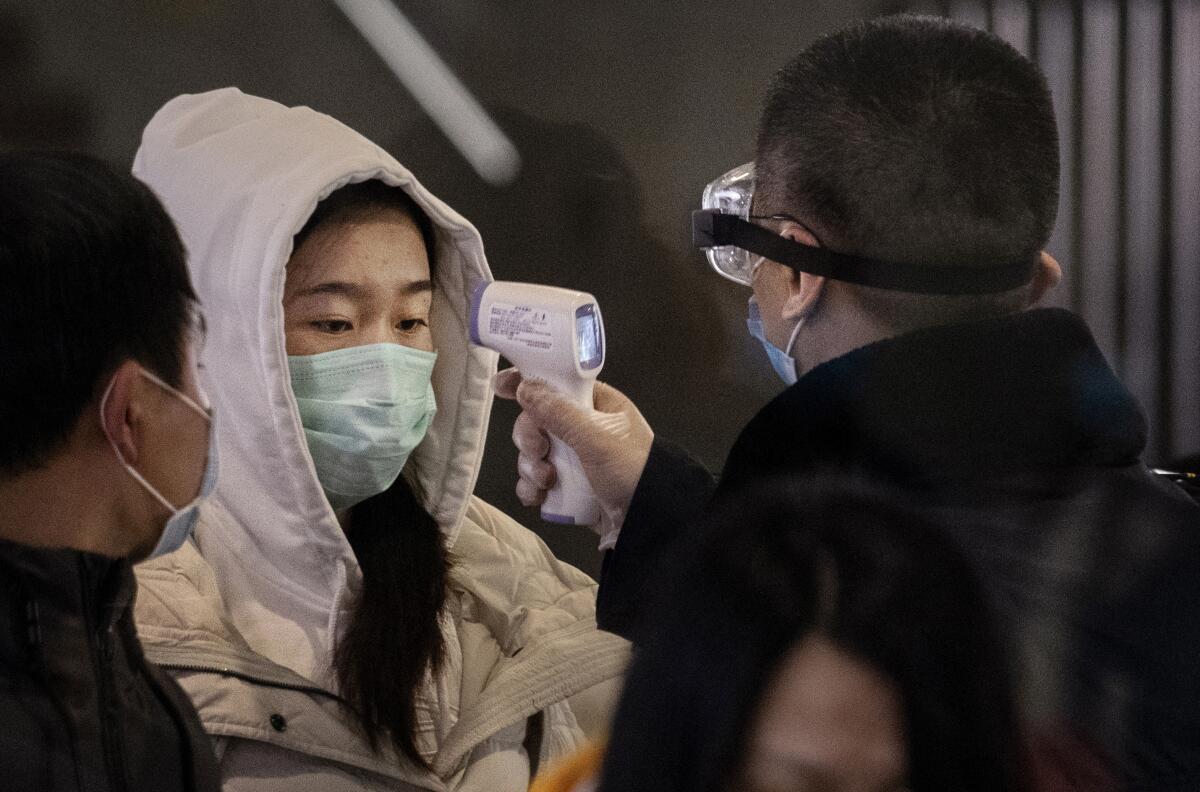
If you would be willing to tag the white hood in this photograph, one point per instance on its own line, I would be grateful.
(240, 176)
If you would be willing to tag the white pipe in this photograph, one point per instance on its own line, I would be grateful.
(442, 95)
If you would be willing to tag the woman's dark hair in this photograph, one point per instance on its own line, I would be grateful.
(393, 638)
(782, 562)
(360, 201)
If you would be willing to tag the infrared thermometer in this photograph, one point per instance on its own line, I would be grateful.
(555, 335)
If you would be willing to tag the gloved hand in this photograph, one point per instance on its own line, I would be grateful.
(612, 443)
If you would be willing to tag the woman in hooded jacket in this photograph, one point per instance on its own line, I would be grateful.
(825, 634)
(348, 615)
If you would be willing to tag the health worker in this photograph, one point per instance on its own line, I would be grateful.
(891, 230)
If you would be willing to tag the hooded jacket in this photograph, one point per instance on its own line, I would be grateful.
(246, 617)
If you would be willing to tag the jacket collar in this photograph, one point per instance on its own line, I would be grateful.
(969, 401)
(70, 581)
(46, 594)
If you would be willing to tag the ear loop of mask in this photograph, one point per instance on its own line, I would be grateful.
(791, 344)
(189, 401)
(795, 332)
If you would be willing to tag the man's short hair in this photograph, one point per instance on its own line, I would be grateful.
(913, 139)
(92, 273)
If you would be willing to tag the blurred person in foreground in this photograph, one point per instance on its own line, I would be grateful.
(821, 636)
(105, 457)
(350, 616)
(891, 229)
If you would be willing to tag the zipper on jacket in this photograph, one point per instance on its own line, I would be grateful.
(38, 667)
(33, 625)
(251, 678)
(107, 647)
(101, 650)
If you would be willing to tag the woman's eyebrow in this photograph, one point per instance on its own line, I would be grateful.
(342, 288)
(358, 291)
(416, 287)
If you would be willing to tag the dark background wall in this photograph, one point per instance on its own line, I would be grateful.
(622, 111)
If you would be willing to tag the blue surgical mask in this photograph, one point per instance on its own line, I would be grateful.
(364, 410)
(781, 359)
(182, 522)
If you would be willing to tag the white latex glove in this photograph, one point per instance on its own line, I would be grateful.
(612, 443)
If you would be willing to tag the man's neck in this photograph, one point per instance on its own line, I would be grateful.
(845, 323)
(833, 333)
(59, 505)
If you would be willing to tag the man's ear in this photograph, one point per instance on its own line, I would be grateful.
(1045, 277)
(804, 290)
(121, 413)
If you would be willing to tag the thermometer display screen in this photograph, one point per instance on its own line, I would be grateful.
(590, 337)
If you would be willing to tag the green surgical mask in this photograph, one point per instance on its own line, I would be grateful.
(364, 410)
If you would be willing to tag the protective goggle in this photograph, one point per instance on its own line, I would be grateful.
(731, 195)
(734, 246)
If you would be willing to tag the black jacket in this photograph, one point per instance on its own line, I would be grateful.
(80, 708)
(1026, 446)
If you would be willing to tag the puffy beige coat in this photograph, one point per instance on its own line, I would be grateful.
(524, 639)
(247, 614)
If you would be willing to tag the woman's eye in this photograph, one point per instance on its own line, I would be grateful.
(332, 325)
(410, 325)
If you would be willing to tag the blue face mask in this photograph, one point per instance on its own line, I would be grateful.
(182, 522)
(364, 410)
(781, 359)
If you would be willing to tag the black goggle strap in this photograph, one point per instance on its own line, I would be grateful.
(711, 228)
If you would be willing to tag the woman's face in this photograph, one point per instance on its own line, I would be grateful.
(827, 722)
(359, 282)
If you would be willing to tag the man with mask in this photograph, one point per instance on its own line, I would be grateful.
(891, 228)
(105, 457)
